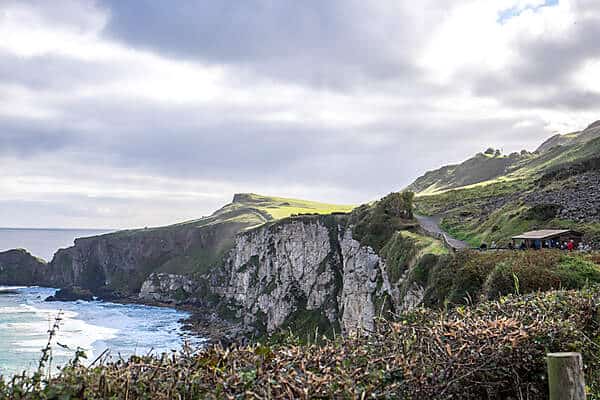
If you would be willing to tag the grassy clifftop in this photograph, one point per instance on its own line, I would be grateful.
(250, 210)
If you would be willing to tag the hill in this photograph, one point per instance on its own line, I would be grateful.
(485, 199)
(479, 168)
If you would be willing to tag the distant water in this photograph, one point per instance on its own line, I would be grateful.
(93, 326)
(42, 242)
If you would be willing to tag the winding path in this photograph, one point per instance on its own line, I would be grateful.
(431, 225)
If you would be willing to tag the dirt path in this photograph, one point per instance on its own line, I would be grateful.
(432, 225)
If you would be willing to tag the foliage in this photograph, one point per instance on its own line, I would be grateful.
(406, 249)
(473, 276)
(374, 224)
(492, 351)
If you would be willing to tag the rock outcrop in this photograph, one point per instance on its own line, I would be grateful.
(71, 294)
(18, 267)
(168, 288)
(576, 197)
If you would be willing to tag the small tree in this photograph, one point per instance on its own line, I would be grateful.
(489, 151)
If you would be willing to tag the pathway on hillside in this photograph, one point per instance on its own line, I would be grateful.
(432, 226)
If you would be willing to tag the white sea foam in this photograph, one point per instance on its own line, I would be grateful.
(92, 326)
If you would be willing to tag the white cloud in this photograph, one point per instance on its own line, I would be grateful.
(112, 132)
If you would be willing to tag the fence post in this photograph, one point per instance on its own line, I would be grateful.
(565, 376)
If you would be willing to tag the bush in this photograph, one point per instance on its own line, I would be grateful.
(375, 224)
(495, 350)
(476, 276)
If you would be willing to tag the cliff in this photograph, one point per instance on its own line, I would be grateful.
(259, 271)
(304, 274)
(117, 264)
(311, 273)
(18, 267)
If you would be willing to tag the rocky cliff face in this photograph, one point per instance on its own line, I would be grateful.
(169, 288)
(122, 261)
(18, 267)
(306, 273)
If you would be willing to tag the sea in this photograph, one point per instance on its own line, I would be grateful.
(96, 327)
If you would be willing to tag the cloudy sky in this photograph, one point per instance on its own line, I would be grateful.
(129, 113)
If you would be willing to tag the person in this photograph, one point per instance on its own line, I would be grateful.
(483, 247)
(523, 246)
(570, 245)
(511, 246)
(493, 245)
(580, 246)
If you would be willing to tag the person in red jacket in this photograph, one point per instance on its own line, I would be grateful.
(570, 245)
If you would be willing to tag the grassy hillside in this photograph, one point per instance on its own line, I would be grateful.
(491, 166)
(482, 167)
(251, 210)
(532, 192)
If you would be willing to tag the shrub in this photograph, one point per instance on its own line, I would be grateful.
(474, 275)
(495, 350)
(375, 224)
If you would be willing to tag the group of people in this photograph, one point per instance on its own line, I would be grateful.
(553, 244)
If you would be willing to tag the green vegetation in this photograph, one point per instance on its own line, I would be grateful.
(375, 224)
(493, 350)
(473, 276)
(405, 250)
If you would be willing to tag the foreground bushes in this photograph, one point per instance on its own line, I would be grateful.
(492, 351)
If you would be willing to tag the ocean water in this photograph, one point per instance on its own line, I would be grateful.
(124, 329)
(42, 242)
(94, 326)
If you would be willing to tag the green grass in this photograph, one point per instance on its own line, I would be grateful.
(474, 276)
(425, 244)
(280, 207)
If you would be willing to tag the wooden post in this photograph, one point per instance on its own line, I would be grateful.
(565, 376)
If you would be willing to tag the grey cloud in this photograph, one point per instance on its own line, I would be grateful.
(28, 138)
(336, 43)
(51, 72)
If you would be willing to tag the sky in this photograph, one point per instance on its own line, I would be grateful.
(117, 114)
